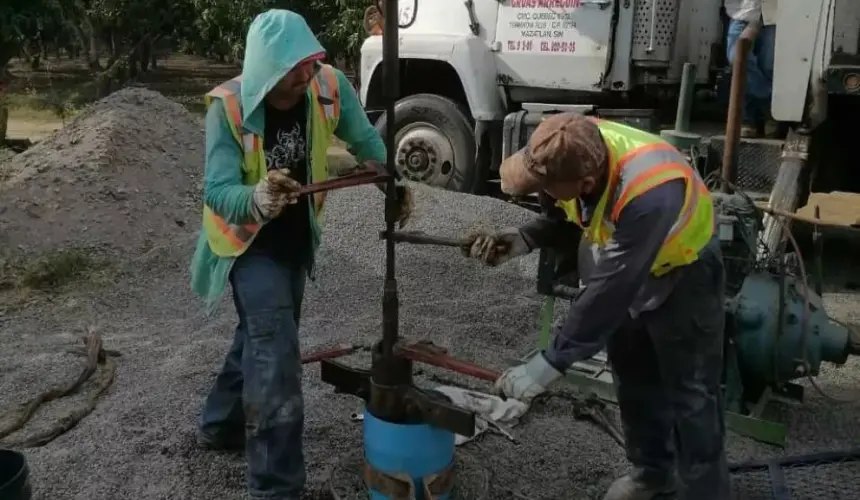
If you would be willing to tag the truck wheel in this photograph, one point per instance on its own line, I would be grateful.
(435, 142)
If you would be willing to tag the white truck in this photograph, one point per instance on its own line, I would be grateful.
(478, 75)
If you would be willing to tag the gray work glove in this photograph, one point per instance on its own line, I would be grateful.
(274, 191)
(497, 248)
(527, 381)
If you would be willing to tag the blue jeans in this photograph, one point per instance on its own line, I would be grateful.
(759, 81)
(668, 365)
(260, 386)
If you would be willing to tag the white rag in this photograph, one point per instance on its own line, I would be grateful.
(490, 411)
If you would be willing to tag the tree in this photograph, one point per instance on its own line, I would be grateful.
(125, 31)
(20, 20)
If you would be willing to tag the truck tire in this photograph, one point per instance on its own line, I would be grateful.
(435, 142)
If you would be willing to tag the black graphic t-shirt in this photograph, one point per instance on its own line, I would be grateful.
(288, 237)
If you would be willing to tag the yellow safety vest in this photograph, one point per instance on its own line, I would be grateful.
(639, 161)
(231, 240)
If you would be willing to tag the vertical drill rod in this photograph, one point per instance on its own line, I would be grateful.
(391, 73)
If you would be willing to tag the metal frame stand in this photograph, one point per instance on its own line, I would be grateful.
(387, 386)
(399, 411)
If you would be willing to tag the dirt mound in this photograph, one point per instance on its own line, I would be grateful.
(123, 175)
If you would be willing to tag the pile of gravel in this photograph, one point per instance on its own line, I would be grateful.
(138, 444)
(123, 174)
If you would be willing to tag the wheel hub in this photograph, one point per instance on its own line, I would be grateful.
(418, 159)
(424, 154)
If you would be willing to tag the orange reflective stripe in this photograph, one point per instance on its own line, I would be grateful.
(646, 181)
(333, 89)
(681, 225)
(691, 203)
(233, 109)
(686, 216)
(227, 231)
(237, 235)
(325, 86)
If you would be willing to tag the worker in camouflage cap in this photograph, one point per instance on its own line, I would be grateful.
(653, 283)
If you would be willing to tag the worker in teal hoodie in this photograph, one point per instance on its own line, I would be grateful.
(267, 133)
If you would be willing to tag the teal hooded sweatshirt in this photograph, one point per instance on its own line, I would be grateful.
(277, 40)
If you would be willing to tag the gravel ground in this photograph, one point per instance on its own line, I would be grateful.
(138, 443)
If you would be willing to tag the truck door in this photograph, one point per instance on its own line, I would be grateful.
(554, 44)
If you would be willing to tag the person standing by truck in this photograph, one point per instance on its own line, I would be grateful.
(266, 135)
(654, 297)
(757, 118)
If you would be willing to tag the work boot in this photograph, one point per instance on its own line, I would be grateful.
(629, 488)
(749, 131)
(233, 440)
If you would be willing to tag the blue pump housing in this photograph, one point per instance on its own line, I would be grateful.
(416, 450)
(770, 359)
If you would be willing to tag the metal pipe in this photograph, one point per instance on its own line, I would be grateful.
(335, 352)
(437, 356)
(818, 243)
(422, 238)
(391, 76)
(851, 230)
(369, 176)
(685, 100)
(736, 104)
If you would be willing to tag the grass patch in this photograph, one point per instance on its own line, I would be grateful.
(49, 103)
(47, 273)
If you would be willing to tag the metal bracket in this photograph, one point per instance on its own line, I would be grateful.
(435, 409)
(345, 379)
(401, 486)
(439, 484)
(418, 405)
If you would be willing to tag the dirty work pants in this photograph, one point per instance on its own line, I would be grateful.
(259, 388)
(667, 365)
(759, 81)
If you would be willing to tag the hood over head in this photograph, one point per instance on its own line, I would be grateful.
(277, 41)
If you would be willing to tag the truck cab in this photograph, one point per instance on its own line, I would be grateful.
(477, 76)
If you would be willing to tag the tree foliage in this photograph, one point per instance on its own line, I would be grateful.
(103, 32)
